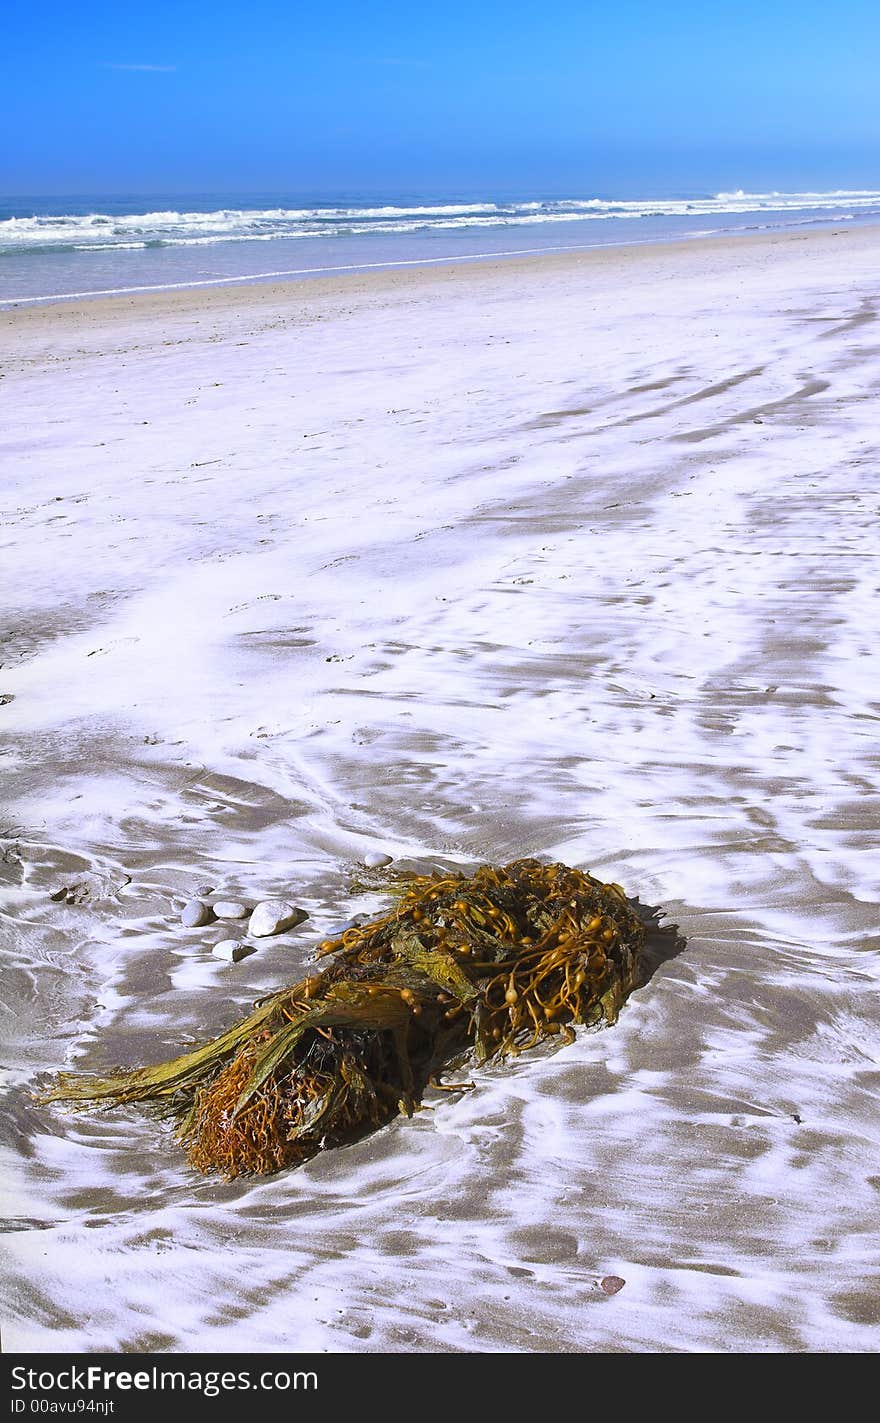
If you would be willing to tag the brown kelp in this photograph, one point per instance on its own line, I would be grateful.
(490, 963)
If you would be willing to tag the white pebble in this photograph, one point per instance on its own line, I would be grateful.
(230, 909)
(196, 913)
(374, 860)
(339, 929)
(232, 950)
(273, 916)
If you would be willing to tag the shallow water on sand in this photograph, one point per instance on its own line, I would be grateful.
(560, 564)
(60, 248)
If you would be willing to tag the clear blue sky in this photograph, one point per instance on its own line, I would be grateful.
(556, 96)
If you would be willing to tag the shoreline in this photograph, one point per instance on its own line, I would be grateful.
(257, 292)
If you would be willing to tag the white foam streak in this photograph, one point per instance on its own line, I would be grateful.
(100, 231)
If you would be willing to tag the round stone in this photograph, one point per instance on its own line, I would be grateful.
(375, 860)
(195, 913)
(354, 923)
(274, 916)
(612, 1284)
(232, 950)
(230, 909)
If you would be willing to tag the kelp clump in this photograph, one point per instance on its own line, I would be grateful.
(491, 963)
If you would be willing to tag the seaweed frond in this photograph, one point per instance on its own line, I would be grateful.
(495, 962)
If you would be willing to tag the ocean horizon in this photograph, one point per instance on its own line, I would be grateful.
(64, 247)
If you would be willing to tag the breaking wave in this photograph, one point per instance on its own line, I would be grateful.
(102, 231)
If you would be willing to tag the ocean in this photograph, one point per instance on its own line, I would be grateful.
(65, 247)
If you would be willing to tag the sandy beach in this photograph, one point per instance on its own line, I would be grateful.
(572, 557)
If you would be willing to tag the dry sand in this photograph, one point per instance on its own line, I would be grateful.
(573, 557)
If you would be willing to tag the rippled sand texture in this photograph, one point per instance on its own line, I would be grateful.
(572, 558)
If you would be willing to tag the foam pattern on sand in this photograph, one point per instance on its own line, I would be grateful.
(576, 562)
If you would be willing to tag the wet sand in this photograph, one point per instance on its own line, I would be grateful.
(571, 556)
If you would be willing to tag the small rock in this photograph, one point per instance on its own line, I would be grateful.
(230, 909)
(611, 1284)
(232, 950)
(196, 913)
(88, 889)
(339, 929)
(375, 860)
(273, 916)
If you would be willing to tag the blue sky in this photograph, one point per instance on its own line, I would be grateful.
(556, 96)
